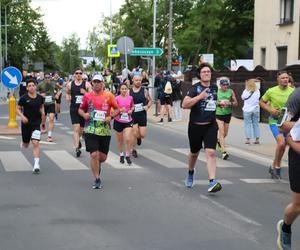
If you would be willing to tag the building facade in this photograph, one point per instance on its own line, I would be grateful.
(276, 33)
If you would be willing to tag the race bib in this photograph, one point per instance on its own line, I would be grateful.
(124, 117)
(99, 115)
(24, 84)
(210, 105)
(48, 99)
(138, 107)
(78, 99)
(36, 135)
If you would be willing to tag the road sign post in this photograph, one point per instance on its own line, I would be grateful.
(139, 51)
(11, 78)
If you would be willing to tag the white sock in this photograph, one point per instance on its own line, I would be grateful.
(122, 154)
(49, 133)
(36, 161)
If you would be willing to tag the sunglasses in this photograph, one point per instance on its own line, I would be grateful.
(78, 73)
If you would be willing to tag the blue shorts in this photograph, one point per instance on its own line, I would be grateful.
(275, 130)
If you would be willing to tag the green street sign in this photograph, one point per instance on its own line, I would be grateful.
(146, 52)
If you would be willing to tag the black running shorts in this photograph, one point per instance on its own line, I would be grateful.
(76, 118)
(49, 109)
(199, 134)
(140, 118)
(95, 143)
(294, 170)
(224, 118)
(27, 130)
(120, 126)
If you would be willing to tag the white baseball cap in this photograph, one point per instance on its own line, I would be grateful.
(98, 77)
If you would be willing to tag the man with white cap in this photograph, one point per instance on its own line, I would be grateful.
(97, 108)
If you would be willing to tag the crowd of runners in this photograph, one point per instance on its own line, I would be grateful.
(102, 103)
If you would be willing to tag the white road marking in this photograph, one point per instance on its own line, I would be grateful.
(70, 132)
(14, 161)
(65, 160)
(114, 161)
(161, 159)
(58, 124)
(47, 143)
(205, 182)
(7, 138)
(65, 128)
(220, 163)
(263, 181)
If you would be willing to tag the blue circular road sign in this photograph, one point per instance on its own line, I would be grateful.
(11, 77)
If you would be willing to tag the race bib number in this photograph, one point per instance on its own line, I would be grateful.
(78, 99)
(99, 115)
(138, 107)
(124, 117)
(36, 135)
(23, 84)
(210, 105)
(48, 99)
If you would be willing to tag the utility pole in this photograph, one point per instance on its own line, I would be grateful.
(110, 59)
(170, 38)
(154, 41)
(0, 43)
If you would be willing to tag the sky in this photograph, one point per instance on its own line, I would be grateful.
(64, 17)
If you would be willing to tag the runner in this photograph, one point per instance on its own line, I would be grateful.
(142, 103)
(75, 91)
(123, 123)
(59, 84)
(31, 110)
(201, 99)
(95, 109)
(273, 101)
(226, 100)
(292, 211)
(47, 90)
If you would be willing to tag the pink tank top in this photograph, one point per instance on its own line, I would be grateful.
(127, 103)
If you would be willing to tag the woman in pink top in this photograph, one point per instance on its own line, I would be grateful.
(123, 123)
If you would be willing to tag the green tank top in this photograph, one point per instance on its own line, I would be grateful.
(224, 96)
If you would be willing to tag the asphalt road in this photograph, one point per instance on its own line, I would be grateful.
(145, 206)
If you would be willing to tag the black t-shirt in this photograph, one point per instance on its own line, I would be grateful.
(31, 108)
(205, 109)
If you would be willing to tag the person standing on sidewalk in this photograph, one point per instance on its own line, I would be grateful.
(292, 211)
(47, 90)
(75, 91)
(273, 101)
(142, 102)
(251, 96)
(96, 110)
(226, 100)
(202, 99)
(177, 98)
(31, 110)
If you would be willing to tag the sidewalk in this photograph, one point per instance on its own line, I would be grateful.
(235, 136)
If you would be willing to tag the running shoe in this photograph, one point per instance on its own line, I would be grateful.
(170, 120)
(189, 180)
(122, 159)
(161, 121)
(225, 155)
(129, 162)
(49, 139)
(278, 173)
(275, 173)
(97, 184)
(283, 239)
(139, 141)
(214, 186)
(134, 153)
(78, 152)
(36, 169)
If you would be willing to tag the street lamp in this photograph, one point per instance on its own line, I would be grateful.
(110, 59)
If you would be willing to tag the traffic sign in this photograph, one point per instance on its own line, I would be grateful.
(11, 77)
(112, 50)
(146, 52)
(125, 45)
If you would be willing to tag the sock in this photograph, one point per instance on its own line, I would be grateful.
(286, 228)
(191, 172)
(49, 133)
(127, 154)
(211, 180)
(122, 153)
(36, 160)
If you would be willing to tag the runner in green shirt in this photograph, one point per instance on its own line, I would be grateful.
(273, 101)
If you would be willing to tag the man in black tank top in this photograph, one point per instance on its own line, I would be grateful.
(75, 91)
(142, 102)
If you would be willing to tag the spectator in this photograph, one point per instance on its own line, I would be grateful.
(177, 98)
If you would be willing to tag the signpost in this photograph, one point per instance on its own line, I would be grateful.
(125, 45)
(146, 52)
(113, 51)
(11, 78)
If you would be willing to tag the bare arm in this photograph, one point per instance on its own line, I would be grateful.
(85, 115)
(42, 111)
(295, 145)
(265, 106)
(234, 102)
(68, 92)
(149, 100)
(24, 119)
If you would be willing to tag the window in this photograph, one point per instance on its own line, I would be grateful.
(286, 11)
(282, 56)
(263, 57)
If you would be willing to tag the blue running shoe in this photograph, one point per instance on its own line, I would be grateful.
(97, 184)
(278, 173)
(283, 239)
(189, 180)
(214, 186)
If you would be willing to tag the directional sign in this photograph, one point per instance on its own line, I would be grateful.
(113, 51)
(11, 77)
(146, 52)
